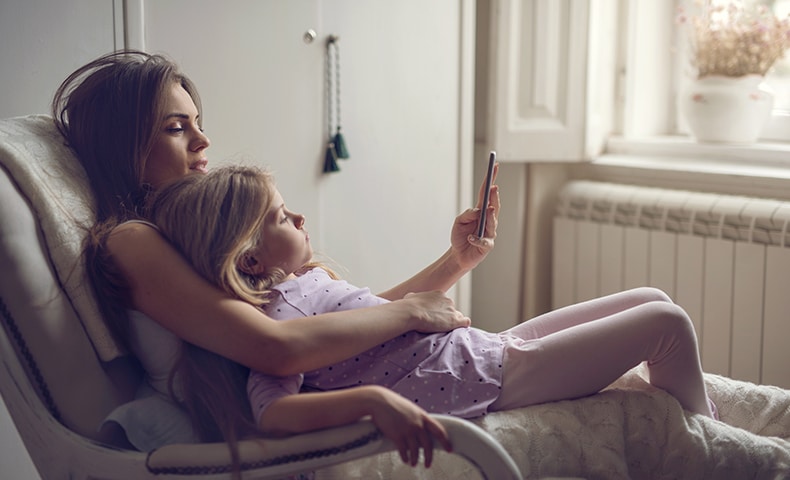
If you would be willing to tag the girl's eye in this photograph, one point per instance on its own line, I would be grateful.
(175, 129)
(284, 220)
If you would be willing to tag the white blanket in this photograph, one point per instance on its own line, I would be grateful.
(50, 176)
(629, 431)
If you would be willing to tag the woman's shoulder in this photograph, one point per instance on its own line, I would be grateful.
(139, 246)
(161, 282)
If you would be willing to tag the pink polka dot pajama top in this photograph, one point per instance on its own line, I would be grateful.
(457, 373)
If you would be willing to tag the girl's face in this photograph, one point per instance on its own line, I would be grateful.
(179, 146)
(286, 244)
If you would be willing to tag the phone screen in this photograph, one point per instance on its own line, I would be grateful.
(481, 225)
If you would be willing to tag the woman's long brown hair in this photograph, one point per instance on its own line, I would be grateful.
(109, 112)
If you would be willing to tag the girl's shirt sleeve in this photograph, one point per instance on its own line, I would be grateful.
(264, 389)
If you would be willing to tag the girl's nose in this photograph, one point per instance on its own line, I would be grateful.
(299, 220)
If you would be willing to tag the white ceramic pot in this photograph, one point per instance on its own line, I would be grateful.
(726, 109)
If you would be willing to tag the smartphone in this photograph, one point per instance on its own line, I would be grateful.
(481, 225)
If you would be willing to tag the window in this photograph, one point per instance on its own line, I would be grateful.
(778, 80)
(652, 66)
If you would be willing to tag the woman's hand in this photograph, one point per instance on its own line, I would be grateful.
(434, 312)
(467, 248)
(408, 426)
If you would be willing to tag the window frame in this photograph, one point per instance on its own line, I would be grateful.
(652, 67)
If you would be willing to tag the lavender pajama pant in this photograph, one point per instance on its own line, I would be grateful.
(580, 349)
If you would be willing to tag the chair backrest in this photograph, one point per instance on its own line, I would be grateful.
(38, 317)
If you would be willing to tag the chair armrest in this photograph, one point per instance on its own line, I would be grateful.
(275, 458)
(480, 448)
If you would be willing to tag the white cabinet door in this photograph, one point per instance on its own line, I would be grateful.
(405, 114)
(406, 90)
(389, 211)
(260, 83)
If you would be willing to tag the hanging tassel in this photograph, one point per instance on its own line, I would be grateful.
(337, 143)
(330, 159)
(341, 151)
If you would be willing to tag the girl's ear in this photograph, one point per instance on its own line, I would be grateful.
(250, 265)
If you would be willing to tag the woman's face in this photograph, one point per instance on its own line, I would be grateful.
(179, 146)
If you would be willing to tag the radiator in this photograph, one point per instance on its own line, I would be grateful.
(725, 259)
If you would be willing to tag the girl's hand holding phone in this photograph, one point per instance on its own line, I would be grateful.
(474, 230)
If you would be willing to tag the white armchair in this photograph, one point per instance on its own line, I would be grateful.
(54, 383)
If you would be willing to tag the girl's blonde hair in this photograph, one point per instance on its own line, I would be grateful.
(214, 220)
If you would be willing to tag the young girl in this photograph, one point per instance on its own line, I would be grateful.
(251, 245)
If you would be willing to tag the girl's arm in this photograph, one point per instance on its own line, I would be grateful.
(465, 253)
(166, 288)
(403, 422)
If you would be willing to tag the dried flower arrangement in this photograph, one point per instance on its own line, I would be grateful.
(734, 40)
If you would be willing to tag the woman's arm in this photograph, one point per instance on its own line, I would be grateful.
(465, 253)
(400, 420)
(166, 288)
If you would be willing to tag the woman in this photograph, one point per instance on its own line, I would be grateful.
(134, 122)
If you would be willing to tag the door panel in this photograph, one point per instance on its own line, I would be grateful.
(388, 212)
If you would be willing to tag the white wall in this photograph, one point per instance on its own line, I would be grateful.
(39, 46)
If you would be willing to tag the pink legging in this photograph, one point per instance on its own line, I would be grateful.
(580, 349)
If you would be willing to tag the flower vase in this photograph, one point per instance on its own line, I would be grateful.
(727, 109)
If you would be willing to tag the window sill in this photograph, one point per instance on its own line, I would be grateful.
(761, 169)
(683, 154)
